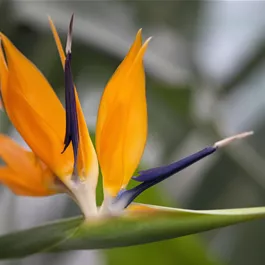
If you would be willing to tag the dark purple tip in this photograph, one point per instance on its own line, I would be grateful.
(153, 176)
(72, 133)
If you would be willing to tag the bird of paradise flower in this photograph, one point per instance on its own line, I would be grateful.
(62, 157)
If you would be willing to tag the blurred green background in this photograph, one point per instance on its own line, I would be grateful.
(205, 81)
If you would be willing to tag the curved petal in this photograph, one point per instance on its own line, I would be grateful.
(122, 121)
(113, 87)
(23, 172)
(3, 74)
(35, 111)
(87, 159)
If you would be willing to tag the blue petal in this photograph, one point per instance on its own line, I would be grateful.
(153, 173)
(153, 176)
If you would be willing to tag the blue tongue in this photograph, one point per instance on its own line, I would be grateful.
(166, 171)
(71, 133)
(153, 176)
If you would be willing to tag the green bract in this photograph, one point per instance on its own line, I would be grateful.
(141, 227)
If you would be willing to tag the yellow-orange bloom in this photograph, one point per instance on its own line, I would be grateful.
(47, 127)
(40, 118)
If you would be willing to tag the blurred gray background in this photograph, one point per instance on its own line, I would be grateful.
(205, 81)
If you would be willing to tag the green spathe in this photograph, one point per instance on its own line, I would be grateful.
(133, 228)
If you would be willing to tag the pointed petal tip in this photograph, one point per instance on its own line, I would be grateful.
(147, 41)
(144, 47)
(139, 33)
(228, 140)
(151, 37)
(50, 20)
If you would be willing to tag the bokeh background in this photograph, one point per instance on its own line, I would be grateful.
(205, 81)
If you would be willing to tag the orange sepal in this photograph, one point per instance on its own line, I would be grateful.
(122, 120)
(35, 110)
(112, 89)
(23, 172)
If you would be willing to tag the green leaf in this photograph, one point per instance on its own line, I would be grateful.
(142, 224)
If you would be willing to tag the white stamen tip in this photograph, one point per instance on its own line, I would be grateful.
(228, 140)
(69, 36)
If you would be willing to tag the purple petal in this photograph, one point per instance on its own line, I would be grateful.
(153, 173)
(153, 176)
(72, 132)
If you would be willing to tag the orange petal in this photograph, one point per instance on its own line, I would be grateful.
(112, 88)
(87, 158)
(122, 121)
(24, 173)
(35, 110)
